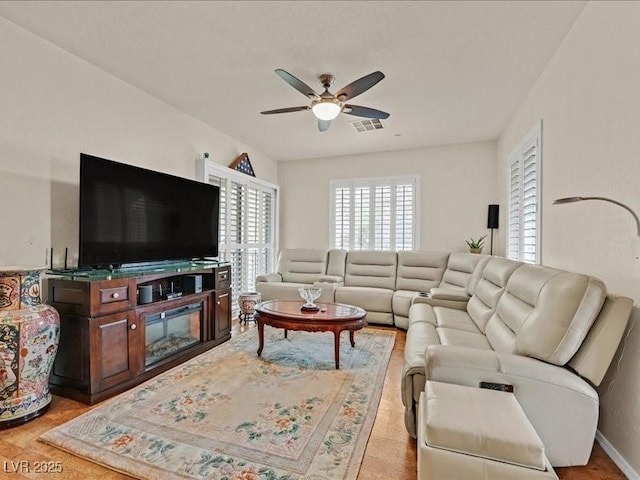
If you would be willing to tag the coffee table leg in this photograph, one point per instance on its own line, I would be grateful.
(285, 333)
(260, 337)
(336, 341)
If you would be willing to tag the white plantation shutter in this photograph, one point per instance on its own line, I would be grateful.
(382, 217)
(236, 201)
(362, 219)
(252, 225)
(405, 215)
(375, 213)
(523, 242)
(513, 248)
(248, 225)
(342, 217)
(222, 232)
(267, 212)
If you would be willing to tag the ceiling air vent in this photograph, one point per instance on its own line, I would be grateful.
(367, 125)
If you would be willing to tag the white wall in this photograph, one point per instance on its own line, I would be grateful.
(589, 100)
(54, 106)
(457, 183)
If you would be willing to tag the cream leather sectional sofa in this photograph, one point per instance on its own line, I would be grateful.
(385, 284)
(549, 333)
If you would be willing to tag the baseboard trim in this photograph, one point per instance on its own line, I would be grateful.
(622, 464)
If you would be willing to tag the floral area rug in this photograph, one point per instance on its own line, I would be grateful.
(228, 414)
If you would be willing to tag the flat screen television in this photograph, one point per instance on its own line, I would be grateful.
(131, 215)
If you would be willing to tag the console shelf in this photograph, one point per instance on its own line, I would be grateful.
(110, 340)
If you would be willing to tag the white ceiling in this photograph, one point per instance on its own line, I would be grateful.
(455, 71)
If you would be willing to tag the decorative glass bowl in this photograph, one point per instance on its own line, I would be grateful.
(309, 295)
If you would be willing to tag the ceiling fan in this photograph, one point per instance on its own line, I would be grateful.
(326, 106)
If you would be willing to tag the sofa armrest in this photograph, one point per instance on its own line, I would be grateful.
(269, 278)
(449, 294)
(443, 297)
(330, 279)
(561, 406)
(328, 294)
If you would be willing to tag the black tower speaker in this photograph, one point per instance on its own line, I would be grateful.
(492, 217)
(492, 220)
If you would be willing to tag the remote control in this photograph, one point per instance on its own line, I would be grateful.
(501, 387)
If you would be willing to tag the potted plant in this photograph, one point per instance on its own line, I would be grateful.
(475, 246)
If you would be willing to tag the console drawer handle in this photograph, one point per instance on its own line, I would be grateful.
(133, 326)
(115, 295)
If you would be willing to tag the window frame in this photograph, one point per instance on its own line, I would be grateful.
(372, 182)
(533, 139)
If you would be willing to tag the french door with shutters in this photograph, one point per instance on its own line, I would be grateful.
(248, 217)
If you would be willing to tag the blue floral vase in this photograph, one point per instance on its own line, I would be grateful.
(29, 334)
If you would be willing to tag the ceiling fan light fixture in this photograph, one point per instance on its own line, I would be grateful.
(326, 108)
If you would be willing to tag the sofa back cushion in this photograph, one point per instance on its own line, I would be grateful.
(489, 288)
(420, 271)
(371, 269)
(302, 265)
(336, 262)
(545, 313)
(464, 271)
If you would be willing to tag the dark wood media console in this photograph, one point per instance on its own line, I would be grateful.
(110, 341)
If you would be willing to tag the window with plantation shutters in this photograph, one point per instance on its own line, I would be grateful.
(375, 213)
(247, 231)
(523, 234)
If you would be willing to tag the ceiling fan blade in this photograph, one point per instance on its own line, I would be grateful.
(365, 112)
(359, 86)
(285, 110)
(323, 125)
(299, 85)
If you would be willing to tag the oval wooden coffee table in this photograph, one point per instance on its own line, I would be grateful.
(332, 317)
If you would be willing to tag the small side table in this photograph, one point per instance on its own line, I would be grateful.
(247, 302)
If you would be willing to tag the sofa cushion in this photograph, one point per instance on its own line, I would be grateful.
(455, 319)
(280, 290)
(489, 288)
(545, 313)
(336, 262)
(380, 318)
(302, 265)
(461, 338)
(402, 300)
(371, 269)
(420, 271)
(482, 423)
(371, 299)
(464, 270)
(452, 327)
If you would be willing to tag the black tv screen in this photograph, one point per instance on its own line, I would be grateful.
(133, 215)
